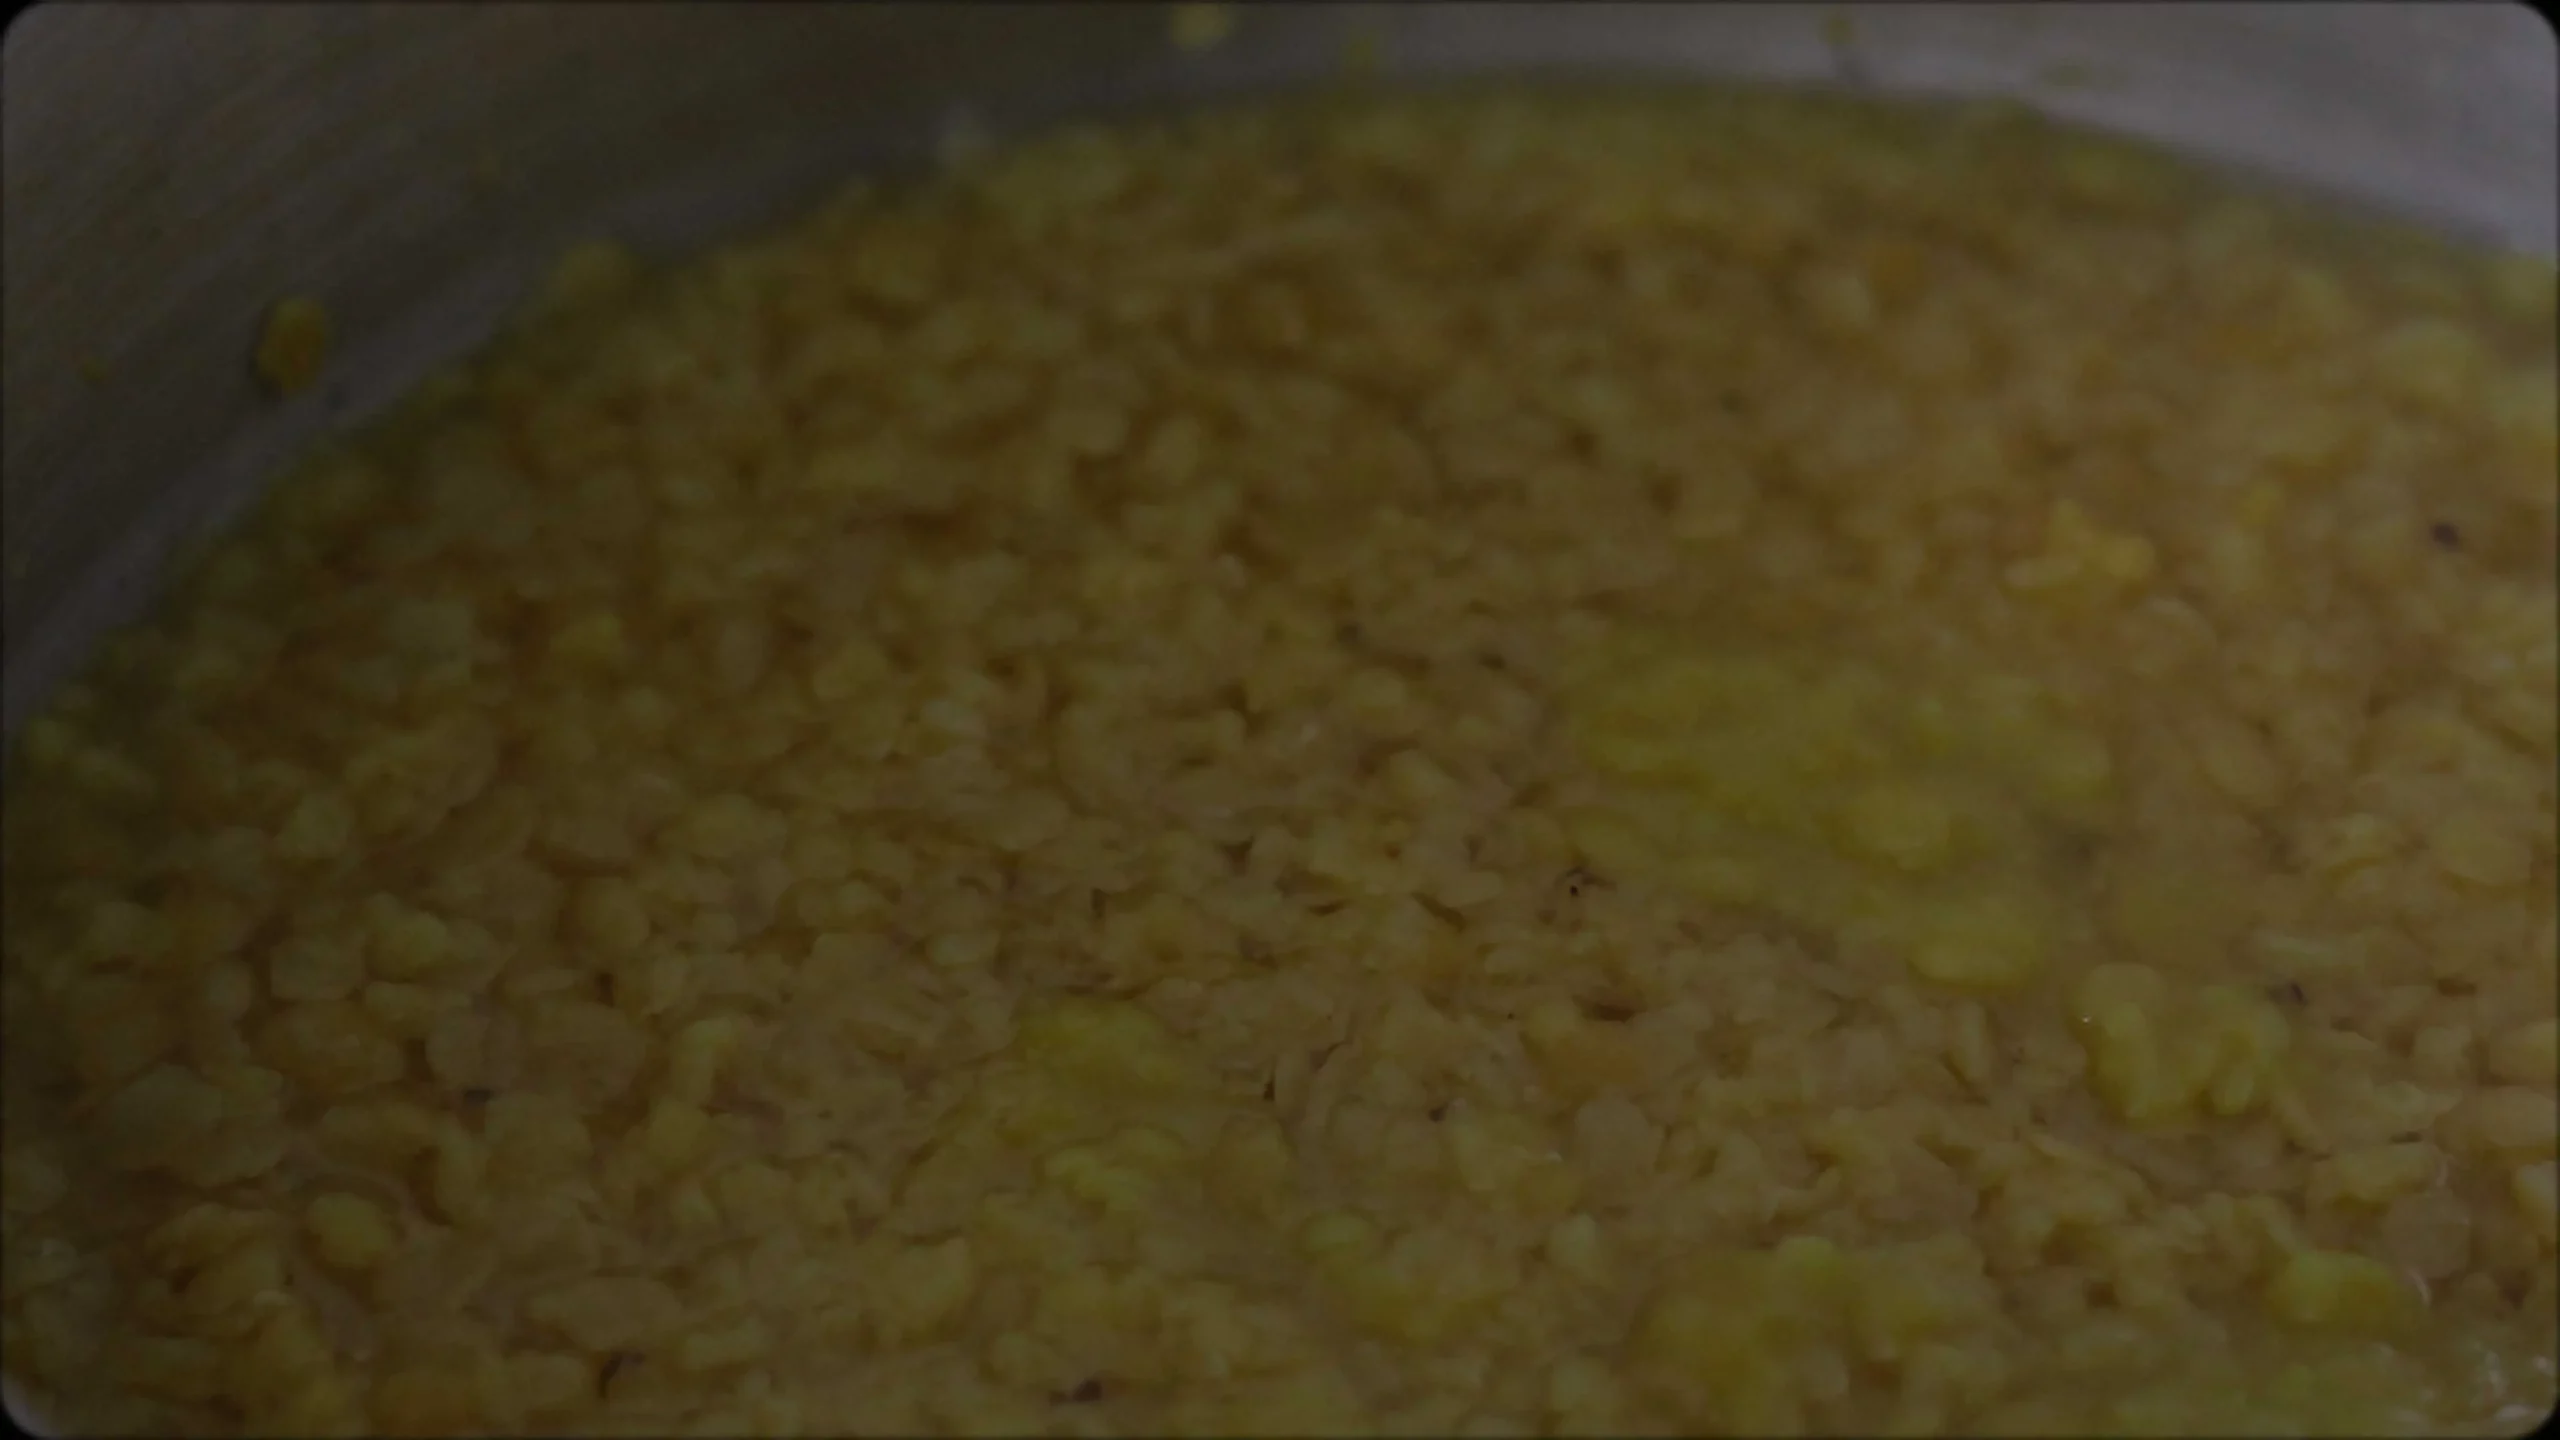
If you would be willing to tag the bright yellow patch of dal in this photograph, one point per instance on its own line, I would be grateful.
(1495, 764)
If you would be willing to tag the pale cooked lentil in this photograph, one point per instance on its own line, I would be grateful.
(1496, 764)
(292, 345)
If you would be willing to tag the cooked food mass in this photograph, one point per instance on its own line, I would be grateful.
(1484, 764)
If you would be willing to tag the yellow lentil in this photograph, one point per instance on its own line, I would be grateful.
(1574, 763)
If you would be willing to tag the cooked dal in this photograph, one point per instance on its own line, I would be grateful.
(1489, 764)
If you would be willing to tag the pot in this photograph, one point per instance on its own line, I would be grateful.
(172, 170)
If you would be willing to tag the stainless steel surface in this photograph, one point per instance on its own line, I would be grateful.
(172, 169)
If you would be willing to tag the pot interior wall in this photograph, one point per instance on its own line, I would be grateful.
(174, 169)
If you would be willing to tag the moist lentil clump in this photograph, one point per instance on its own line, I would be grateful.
(1496, 763)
